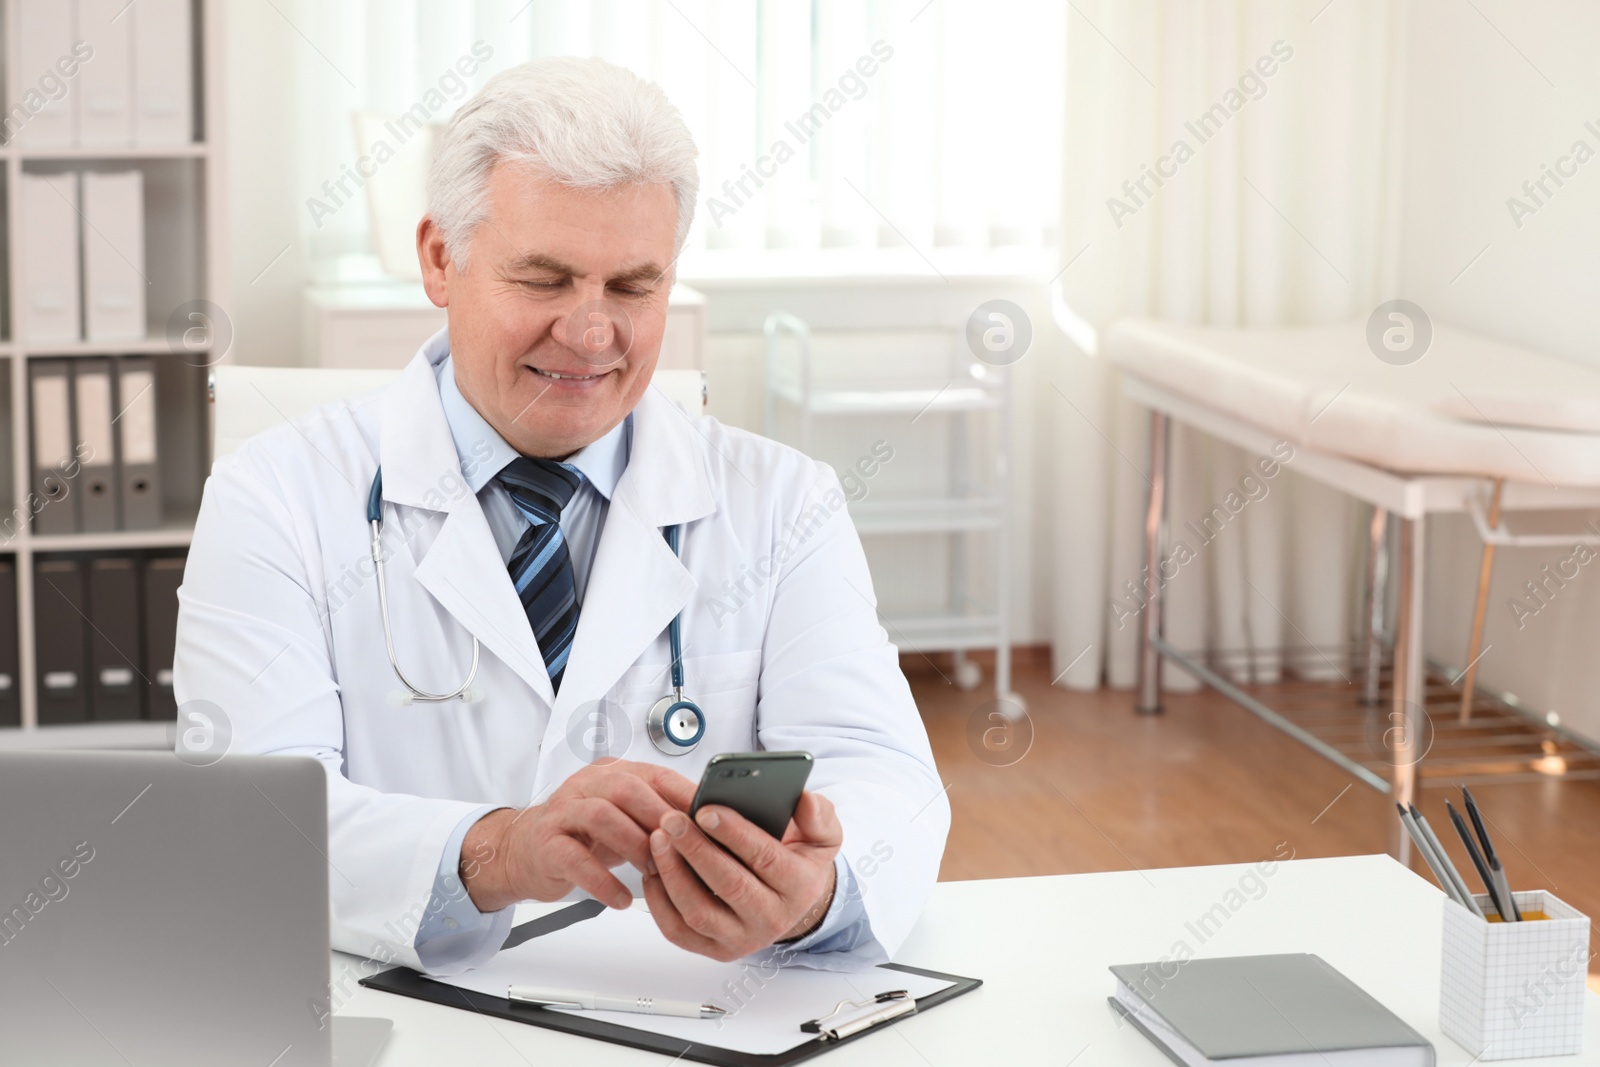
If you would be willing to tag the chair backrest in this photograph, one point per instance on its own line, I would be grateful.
(249, 400)
(246, 401)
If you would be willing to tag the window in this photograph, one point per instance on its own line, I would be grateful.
(821, 123)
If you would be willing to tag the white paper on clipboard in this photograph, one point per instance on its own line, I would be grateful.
(622, 953)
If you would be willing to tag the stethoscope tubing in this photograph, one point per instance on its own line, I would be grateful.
(418, 694)
(660, 734)
(675, 627)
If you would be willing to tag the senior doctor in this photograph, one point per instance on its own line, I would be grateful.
(522, 451)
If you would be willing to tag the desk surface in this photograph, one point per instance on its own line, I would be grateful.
(1042, 946)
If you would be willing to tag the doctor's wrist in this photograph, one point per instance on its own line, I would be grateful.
(813, 917)
(483, 862)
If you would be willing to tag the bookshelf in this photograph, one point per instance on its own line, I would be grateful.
(185, 259)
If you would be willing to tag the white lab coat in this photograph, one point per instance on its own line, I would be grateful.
(279, 628)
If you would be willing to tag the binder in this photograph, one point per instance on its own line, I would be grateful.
(162, 576)
(105, 83)
(59, 612)
(114, 279)
(115, 689)
(48, 257)
(136, 440)
(163, 68)
(44, 37)
(54, 504)
(10, 706)
(95, 448)
(409, 983)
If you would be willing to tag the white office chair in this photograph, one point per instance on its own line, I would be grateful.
(246, 401)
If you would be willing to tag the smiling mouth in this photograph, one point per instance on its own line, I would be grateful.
(566, 377)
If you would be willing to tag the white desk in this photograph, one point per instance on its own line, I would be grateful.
(1042, 946)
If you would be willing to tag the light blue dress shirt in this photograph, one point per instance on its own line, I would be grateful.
(454, 935)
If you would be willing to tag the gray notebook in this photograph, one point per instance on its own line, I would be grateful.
(1271, 1010)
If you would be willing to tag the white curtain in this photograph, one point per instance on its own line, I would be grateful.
(821, 123)
(1280, 213)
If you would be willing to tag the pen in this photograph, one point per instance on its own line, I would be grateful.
(1495, 866)
(1477, 860)
(573, 998)
(1425, 849)
(1500, 880)
(1463, 894)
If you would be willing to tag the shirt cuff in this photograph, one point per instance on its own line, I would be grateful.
(454, 935)
(845, 927)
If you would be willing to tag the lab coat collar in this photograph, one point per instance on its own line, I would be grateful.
(636, 585)
(422, 470)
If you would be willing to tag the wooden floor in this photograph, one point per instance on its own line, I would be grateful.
(1102, 788)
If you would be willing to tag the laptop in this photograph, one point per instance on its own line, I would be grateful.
(152, 911)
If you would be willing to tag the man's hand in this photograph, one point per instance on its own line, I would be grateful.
(709, 902)
(597, 819)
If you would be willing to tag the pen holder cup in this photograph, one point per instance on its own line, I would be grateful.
(1515, 989)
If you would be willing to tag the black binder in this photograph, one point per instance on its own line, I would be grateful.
(59, 610)
(10, 706)
(115, 686)
(408, 983)
(162, 576)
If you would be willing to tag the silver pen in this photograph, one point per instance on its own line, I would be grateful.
(1504, 885)
(1462, 892)
(577, 998)
(1413, 826)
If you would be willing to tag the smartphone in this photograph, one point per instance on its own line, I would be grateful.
(764, 787)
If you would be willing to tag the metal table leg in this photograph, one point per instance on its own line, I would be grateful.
(1377, 596)
(1155, 537)
(1469, 681)
(1408, 735)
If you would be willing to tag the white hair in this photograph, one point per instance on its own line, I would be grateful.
(581, 122)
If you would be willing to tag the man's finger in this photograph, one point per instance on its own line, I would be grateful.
(584, 871)
(601, 822)
(672, 786)
(743, 890)
(630, 793)
(759, 852)
(815, 822)
(701, 911)
(670, 922)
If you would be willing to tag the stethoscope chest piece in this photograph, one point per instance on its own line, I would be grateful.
(675, 725)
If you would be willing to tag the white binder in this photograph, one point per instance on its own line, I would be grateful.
(50, 386)
(113, 256)
(163, 65)
(136, 436)
(105, 83)
(44, 37)
(49, 257)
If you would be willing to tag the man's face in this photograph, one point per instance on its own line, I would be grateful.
(556, 322)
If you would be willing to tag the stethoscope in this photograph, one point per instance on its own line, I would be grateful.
(413, 694)
(675, 724)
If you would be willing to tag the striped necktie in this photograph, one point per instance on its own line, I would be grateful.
(541, 567)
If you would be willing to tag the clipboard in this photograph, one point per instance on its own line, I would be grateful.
(408, 983)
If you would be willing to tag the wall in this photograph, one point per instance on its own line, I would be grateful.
(1495, 91)
(265, 190)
